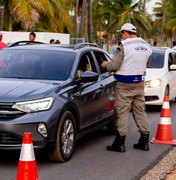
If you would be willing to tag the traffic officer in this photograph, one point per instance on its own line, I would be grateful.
(129, 67)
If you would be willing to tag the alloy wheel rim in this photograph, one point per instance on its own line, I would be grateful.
(67, 137)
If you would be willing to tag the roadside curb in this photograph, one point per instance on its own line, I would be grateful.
(162, 167)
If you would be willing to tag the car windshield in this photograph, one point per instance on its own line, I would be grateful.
(157, 60)
(35, 64)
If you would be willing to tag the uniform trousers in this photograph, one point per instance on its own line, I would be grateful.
(130, 99)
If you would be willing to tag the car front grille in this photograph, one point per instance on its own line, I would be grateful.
(7, 112)
(7, 138)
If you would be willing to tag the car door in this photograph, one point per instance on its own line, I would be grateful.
(172, 74)
(92, 94)
(108, 82)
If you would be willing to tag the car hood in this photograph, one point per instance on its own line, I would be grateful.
(20, 90)
(154, 73)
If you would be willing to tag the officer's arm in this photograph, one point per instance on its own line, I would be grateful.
(116, 62)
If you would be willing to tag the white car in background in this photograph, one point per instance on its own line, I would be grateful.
(174, 47)
(160, 77)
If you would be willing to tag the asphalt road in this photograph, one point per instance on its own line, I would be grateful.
(91, 161)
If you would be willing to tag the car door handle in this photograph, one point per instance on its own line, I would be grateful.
(101, 86)
(97, 93)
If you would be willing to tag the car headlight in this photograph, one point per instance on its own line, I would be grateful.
(34, 106)
(153, 83)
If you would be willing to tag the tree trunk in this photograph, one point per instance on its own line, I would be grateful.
(89, 21)
(10, 23)
(163, 22)
(76, 17)
(82, 25)
(1, 17)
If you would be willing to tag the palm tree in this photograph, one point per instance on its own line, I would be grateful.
(89, 20)
(166, 15)
(84, 14)
(76, 17)
(115, 13)
(170, 23)
(61, 21)
(83, 17)
(1, 17)
(110, 15)
(28, 14)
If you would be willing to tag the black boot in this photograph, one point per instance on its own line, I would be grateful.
(118, 144)
(143, 142)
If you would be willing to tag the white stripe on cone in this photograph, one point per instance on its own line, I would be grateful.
(164, 120)
(166, 105)
(27, 153)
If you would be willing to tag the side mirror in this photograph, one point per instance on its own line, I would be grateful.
(172, 67)
(89, 76)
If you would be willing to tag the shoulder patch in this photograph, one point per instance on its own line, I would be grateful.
(118, 50)
(119, 43)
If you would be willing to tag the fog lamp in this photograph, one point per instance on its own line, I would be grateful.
(42, 129)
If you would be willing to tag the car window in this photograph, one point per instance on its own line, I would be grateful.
(86, 63)
(157, 60)
(172, 57)
(47, 65)
(100, 58)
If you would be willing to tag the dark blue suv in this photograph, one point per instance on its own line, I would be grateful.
(57, 92)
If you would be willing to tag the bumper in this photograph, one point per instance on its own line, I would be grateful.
(154, 96)
(11, 136)
(11, 131)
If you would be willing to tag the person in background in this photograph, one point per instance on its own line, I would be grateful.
(129, 65)
(57, 42)
(173, 43)
(113, 47)
(52, 41)
(155, 42)
(2, 44)
(32, 37)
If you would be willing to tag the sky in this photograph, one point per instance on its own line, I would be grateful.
(150, 5)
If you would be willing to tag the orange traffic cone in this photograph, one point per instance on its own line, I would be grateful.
(164, 131)
(27, 168)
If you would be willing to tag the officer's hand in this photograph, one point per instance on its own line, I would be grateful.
(103, 65)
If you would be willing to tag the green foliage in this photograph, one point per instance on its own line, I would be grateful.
(112, 14)
(108, 16)
(49, 15)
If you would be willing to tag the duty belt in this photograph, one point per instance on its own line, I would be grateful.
(129, 78)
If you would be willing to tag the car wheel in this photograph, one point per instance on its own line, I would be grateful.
(65, 140)
(111, 127)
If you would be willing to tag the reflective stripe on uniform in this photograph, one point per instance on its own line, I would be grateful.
(129, 78)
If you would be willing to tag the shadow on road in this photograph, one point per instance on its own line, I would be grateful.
(12, 156)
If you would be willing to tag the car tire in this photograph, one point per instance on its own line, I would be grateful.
(166, 92)
(65, 140)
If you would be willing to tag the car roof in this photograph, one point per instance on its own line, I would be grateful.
(22, 43)
(162, 49)
(61, 47)
(159, 48)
